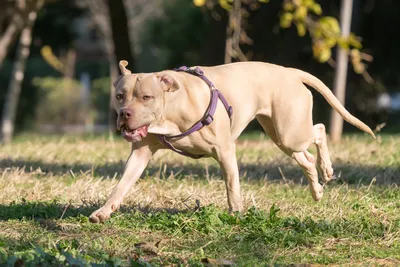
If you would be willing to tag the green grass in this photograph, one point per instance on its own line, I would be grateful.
(178, 211)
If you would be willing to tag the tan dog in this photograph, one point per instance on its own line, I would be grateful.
(170, 102)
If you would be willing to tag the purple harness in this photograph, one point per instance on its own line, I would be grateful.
(208, 116)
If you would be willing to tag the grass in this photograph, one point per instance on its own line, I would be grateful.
(177, 214)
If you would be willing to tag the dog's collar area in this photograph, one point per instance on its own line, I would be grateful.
(208, 117)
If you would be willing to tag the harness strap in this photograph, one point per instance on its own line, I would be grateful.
(208, 117)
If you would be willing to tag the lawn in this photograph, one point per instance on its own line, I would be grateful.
(176, 215)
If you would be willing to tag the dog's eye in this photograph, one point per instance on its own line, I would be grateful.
(146, 97)
(119, 96)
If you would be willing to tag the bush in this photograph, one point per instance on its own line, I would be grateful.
(100, 97)
(62, 102)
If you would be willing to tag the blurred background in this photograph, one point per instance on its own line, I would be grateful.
(58, 58)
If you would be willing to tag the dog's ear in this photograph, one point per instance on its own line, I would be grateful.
(169, 83)
(122, 67)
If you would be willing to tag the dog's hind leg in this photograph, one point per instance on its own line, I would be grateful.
(304, 158)
(324, 163)
(307, 164)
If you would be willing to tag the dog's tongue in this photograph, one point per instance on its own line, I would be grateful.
(142, 131)
(135, 135)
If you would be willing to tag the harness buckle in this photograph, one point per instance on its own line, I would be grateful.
(198, 71)
(208, 119)
(182, 68)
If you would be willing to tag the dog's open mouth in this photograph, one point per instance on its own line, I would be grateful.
(135, 134)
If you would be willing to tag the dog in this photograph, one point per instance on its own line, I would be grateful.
(154, 107)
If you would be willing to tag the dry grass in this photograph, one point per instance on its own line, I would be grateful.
(81, 172)
(87, 170)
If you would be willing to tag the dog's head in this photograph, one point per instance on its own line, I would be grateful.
(139, 100)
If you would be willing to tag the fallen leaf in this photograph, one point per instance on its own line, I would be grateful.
(147, 248)
(217, 262)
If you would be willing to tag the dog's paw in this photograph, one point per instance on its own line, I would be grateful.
(317, 191)
(327, 173)
(99, 216)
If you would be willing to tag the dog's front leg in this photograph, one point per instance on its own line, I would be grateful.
(226, 158)
(135, 165)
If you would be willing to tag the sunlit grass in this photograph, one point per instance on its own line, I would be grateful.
(51, 184)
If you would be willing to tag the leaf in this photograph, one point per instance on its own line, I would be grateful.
(355, 54)
(273, 211)
(329, 24)
(288, 6)
(316, 8)
(325, 55)
(301, 29)
(359, 67)
(199, 2)
(225, 4)
(301, 13)
(354, 41)
(286, 20)
(330, 42)
(147, 248)
(342, 42)
(217, 262)
(322, 53)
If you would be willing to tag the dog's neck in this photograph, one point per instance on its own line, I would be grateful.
(183, 107)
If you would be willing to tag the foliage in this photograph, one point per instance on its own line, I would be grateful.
(179, 35)
(100, 98)
(249, 231)
(52, 59)
(60, 102)
(325, 31)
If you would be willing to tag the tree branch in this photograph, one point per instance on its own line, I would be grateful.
(18, 21)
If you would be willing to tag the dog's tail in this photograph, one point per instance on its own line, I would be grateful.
(318, 85)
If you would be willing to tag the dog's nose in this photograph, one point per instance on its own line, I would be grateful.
(125, 113)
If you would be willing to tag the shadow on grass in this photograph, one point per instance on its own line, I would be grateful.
(271, 171)
(43, 211)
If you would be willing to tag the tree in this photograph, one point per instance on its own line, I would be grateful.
(339, 87)
(111, 21)
(23, 49)
(100, 13)
(121, 35)
(306, 16)
(137, 12)
(19, 19)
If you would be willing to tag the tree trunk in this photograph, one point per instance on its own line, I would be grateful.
(14, 89)
(18, 21)
(213, 49)
(233, 29)
(112, 115)
(120, 32)
(339, 87)
(10, 35)
(100, 13)
(120, 49)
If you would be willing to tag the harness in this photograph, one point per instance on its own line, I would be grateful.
(208, 117)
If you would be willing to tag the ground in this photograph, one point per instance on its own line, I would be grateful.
(177, 212)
